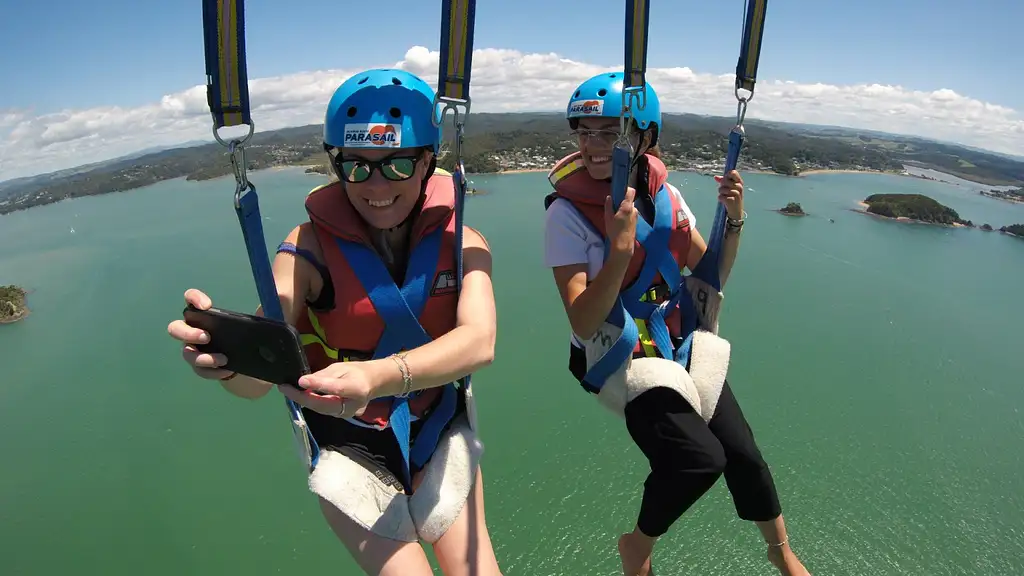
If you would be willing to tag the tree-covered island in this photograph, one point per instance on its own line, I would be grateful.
(13, 306)
(914, 208)
(792, 209)
(1013, 230)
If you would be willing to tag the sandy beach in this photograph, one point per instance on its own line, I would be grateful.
(845, 171)
(17, 317)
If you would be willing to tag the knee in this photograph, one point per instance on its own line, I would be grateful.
(747, 461)
(704, 457)
(709, 458)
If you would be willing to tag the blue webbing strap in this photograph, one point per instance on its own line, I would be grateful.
(655, 241)
(707, 269)
(455, 65)
(455, 61)
(459, 176)
(633, 90)
(623, 347)
(750, 45)
(400, 310)
(635, 46)
(634, 84)
(227, 82)
(227, 94)
(248, 211)
(658, 258)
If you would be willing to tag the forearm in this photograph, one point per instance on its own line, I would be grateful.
(730, 248)
(590, 309)
(458, 353)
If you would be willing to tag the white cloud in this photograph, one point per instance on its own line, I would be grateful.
(503, 80)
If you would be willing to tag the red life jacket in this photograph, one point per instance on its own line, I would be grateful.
(352, 329)
(572, 182)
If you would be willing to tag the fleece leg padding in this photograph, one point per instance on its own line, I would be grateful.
(701, 387)
(642, 375)
(446, 482)
(709, 365)
(358, 494)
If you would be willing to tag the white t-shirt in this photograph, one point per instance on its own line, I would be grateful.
(570, 239)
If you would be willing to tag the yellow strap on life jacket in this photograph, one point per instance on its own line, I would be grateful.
(646, 342)
(320, 337)
(562, 172)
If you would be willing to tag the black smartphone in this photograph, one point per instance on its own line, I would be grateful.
(255, 346)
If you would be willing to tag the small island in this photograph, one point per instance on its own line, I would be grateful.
(1016, 196)
(12, 304)
(1013, 230)
(916, 208)
(792, 209)
(985, 227)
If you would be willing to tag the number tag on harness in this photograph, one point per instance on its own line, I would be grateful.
(707, 301)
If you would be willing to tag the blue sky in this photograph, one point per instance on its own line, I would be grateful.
(73, 53)
(66, 54)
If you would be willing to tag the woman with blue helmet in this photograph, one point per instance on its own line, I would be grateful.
(386, 215)
(684, 418)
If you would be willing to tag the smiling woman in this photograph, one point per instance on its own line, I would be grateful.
(381, 250)
(679, 410)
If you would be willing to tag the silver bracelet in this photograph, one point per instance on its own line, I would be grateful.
(735, 225)
(403, 367)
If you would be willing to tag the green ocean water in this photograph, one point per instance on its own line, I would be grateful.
(879, 363)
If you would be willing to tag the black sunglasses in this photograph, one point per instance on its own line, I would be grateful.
(394, 168)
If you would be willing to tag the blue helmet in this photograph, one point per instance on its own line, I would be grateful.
(382, 108)
(601, 96)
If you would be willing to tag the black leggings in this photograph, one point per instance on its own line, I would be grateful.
(687, 456)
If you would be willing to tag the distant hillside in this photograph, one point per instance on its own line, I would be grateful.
(497, 142)
(966, 162)
(11, 187)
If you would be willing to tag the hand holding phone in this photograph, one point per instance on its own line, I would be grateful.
(262, 348)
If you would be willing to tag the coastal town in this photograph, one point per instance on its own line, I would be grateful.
(498, 143)
(1016, 196)
(703, 160)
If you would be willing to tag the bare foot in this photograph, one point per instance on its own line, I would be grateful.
(783, 558)
(635, 555)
